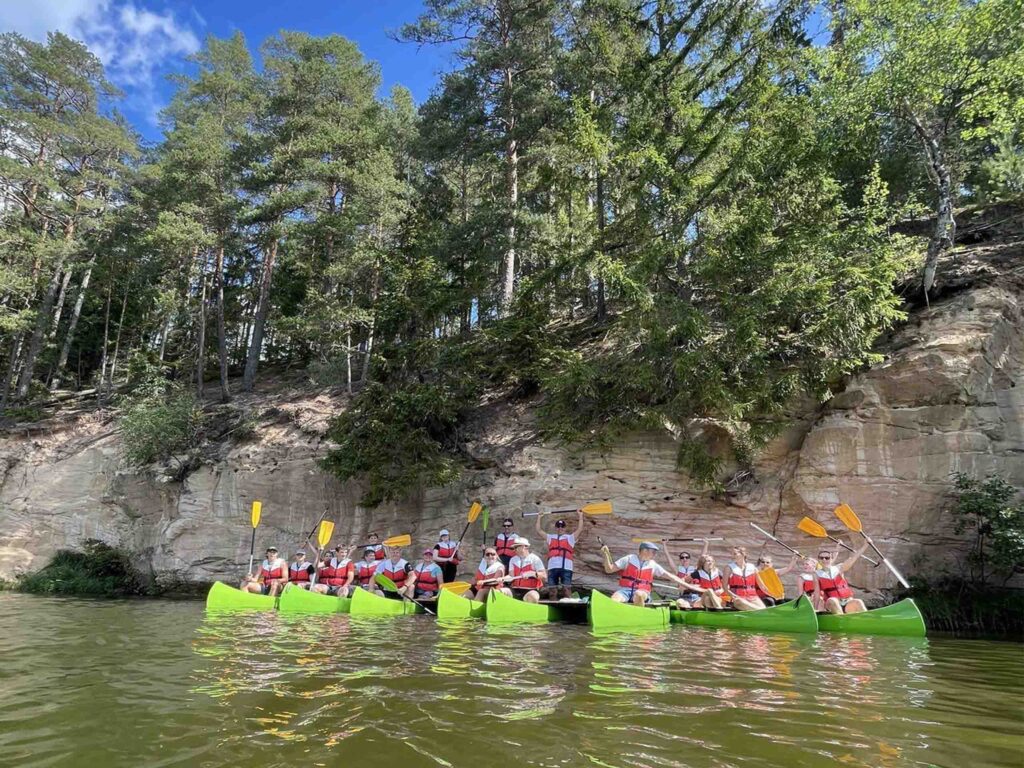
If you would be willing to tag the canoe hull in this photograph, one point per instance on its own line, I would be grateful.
(222, 597)
(452, 607)
(298, 600)
(502, 609)
(797, 616)
(366, 603)
(902, 619)
(604, 613)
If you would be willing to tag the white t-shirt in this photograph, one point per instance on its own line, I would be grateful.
(530, 562)
(401, 565)
(560, 561)
(656, 569)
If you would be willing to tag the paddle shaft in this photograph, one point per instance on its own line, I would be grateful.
(313, 530)
(462, 536)
(252, 550)
(848, 548)
(890, 566)
(781, 544)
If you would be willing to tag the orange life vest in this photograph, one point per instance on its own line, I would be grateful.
(637, 576)
(447, 550)
(807, 583)
(299, 574)
(378, 551)
(560, 546)
(335, 573)
(482, 575)
(426, 580)
(397, 575)
(365, 572)
(833, 583)
(743, 582)
(268, 574)
(708, 581)
(503, 544)
(524, 575)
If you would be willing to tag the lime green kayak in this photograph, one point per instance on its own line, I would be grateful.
(452, 606)
(502, 609)
(902, 619)
(605, 613)
(795, 616)
(221, 597)
(364, 603)
(298, 600)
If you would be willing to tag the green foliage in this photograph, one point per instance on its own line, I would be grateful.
(99, 570)
(159, 421)
(986, 509)
(1000, 176)
(962, 608)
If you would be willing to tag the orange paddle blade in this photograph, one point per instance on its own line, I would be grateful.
(771, 583)
(474, 511)
(398, 541)
(812, 528)
(458, 587)
(257, 509)
(849, 518)
(324, 534)
(598, 508)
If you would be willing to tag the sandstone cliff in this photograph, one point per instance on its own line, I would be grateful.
(945, 399)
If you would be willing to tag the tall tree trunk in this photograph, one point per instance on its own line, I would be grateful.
(11, 369)
(117, 340)
(76, 312)
(222, 334)
(601, 221)
(106, 342)
(512, 170)
(61, 297)
(945, 224)
(259, 321)
(201, 340)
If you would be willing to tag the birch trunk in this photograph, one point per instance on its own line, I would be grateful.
(76, 312)
(222, 339)
(252, 360)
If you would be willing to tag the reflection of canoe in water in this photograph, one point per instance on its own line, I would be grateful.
(605, 613)
(796, 616)
(298, 600)
(502, 609)
(902, 619)
(452, 606)
(221, 597)
(365, 603)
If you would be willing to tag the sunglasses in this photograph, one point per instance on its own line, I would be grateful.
(764, 562)
(824, 557)
(506, 525)
(490, 554)
(685, 557)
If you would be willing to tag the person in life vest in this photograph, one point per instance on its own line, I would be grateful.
(741, 582)
(378, 548)
(526, 573)
(807, 582)
(765, 561)
(301, 572)
(835, 591)
(504, 542)
(366, 569)
(446, 555)
(637, 574)
(561, 546)
(684, 570)
(427, 578)
(272, 576)
(336, 573)
(708, 580)
(397, 569)
(489, 574)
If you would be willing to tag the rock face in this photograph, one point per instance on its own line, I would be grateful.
(948, 397)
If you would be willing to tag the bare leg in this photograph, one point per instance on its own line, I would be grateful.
(711, 600)
(683, 605)
(832, 606)
(506, 591)
(321, 589)
(856, 606)
(533, 596)
(618, 598)
(747, 604)
(481, 594)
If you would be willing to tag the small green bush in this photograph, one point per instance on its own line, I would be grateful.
(158, 424)
(98, 570)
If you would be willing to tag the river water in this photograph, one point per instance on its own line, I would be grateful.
(153, 683)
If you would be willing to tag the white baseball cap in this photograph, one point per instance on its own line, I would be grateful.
(520, 542)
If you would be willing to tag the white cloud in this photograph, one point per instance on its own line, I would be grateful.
(134, 43)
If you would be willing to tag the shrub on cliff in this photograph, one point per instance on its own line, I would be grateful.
(98, 570)
(157, 423)
(987, 510)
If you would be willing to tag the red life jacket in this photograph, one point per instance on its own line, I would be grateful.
(497, 573)
(560, 546)
(426, 581)
(299, 574)
(268, 573)
(326, 573)
(637, 576)
(833, 583)
(365, 571)
(743, 584)
(378, 551)
(447, 550)
(503, 544)
(807, 583)
(707, 581)
(524, 575)
(398, 575)
(339, 572)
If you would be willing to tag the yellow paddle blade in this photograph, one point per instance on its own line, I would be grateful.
(812, 528)
(845, 513)
(771, 583)
(398, 541)
(324, 534)
(257, 509)
(598, 508)
(474, 511)
(458, 587)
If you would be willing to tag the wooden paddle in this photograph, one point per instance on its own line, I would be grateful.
(474, 512)
(322, 537)
(816, 529)
(254, 518)
(849, 518)
(597, 508)
(387, 584)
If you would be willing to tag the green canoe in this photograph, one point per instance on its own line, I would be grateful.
(452, 606)
(902, 619)
(366, 603)
(298, 600)
(605, 613)
(221, 597)
(795, 616)
(502, 609)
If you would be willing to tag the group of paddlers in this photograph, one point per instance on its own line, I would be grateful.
(509, 565)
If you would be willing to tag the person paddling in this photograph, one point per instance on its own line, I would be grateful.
(709, 579)
(763, 562)
(637, 574)
(561, 546)
(741, 582)
(336, 574)
(300, 572)
(807, 582)
(426, 578)
(835, 590)
(446, 555)
(684, 570)
(489, 574)
(526, 573)
(396, 568)
(272, 576)
(504, 542)
(366, 569)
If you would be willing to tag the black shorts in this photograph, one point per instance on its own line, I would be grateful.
(520, 593)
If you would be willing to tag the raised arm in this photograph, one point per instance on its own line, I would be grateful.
(536, 524)
(609, 566)
(852, 559)
(579, 524)
(789, 568)
(670, 560)
(704, 550)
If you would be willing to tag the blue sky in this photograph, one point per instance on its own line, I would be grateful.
(141, 41)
